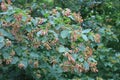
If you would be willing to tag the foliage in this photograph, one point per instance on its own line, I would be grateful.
(41, 43)
(49, 47)
(102, 16)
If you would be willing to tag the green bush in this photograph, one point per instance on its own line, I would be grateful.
(51, 47)
(57, 44)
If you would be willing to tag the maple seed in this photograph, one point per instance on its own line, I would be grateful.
(12, 53)
(8, 61)
(36, 64)
(8, 42)
(21, 65)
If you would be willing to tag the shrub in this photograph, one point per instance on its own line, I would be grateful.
(57, 44)
(54, 46)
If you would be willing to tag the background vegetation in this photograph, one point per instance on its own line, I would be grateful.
(59, 40)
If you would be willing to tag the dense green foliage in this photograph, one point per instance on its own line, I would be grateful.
(59, 40)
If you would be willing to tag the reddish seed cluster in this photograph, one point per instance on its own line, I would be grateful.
(18, 17)
(71, 64)
(70, 58)
(66, 12)
(8, 43)
(21, 65)
(97, 38)
(36, 44)
(8, 61)
(54, 11)
(77, 17)
(79, 67)
(12, 53)
(36, 64)
(41, 21)
(15, 28)
(47, 45)
(43, 32)
(88, 52)
(6, 24)
(75, 35)
(54, 42)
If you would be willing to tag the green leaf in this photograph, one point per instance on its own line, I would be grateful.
(34, 55)
(15, 60)
(86, 31)
(86, 65)
(6, 34)
(81, 59)
(1, 38)
(84, 37)
(61, 49)
(6, 55)
(54, 33)
(25, 62)
(92, 59)
(71, 17)
(18, 51)
(2, 43)
(64, 33)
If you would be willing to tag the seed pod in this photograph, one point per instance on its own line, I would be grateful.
(41, 21)
(54, 11)
(30, 61)
(12, 53)
(8, 42)
(36, 64)
(21, 65)
(88, 52)
(38, 75)
(66, 12)
(8, 61)
(97, 38)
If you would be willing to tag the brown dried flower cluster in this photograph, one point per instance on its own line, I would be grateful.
(41, 21)
(75, 35)
(21, 65)
(70, 58)
(77, 17)
(71, 64)
(8, 43)
(30, 34)
(47, 45)
(36, 44)
(93, 66)
(66, 12)
(8, 61)
(18, 17)
(12, 53)
(97, 38)
(43, 32)
(79, 67)
(54, 42)
(36, 64)
(6, 24)
(15, 28)
(54, 11)
(88, 52)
